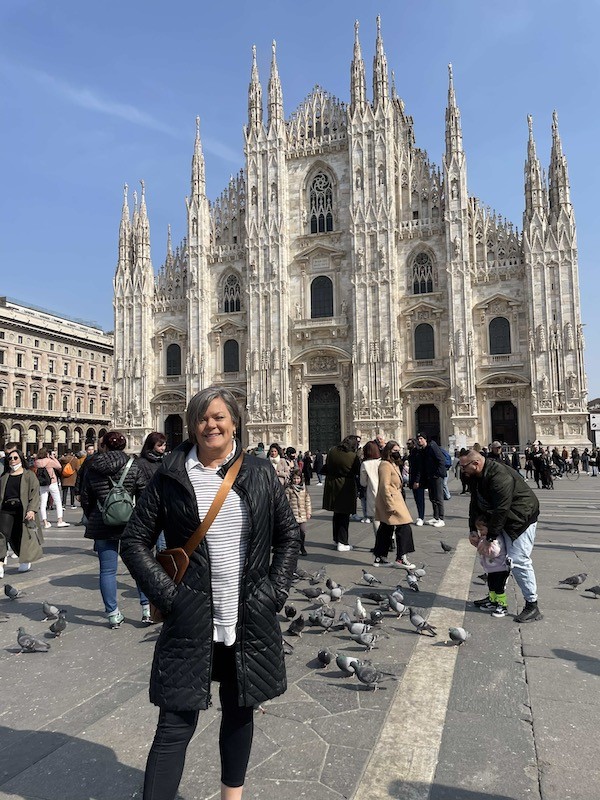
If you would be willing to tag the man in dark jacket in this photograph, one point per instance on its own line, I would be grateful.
(512, 510)
(339, 495)
(434, 472)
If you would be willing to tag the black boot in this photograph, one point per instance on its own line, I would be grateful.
(530, 613)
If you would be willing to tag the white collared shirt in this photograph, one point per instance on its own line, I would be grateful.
(227, 541)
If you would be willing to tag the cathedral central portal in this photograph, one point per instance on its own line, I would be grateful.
(324, 422)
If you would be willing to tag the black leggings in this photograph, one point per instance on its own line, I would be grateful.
(175, 729)
(65, 489)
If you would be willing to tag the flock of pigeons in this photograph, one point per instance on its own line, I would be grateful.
(27, 641)
(576, 580)
(365, 627)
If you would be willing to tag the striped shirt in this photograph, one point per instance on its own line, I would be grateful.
(227, 540)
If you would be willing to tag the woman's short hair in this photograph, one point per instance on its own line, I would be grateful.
(200, 402)
(156, 437)
(114, 440)
(371, 450)
(387, 450)
(42, 453)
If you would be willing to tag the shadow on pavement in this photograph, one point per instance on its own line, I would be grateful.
(584, 663)
(402, 789)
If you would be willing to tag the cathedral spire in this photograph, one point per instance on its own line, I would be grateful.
(380, 70)
(358, 83)
(198, 168)
(255, 109)
(169, 259)
(560, 195)
(453, 128)
(275, 93)
(534, 185)
(124, 233)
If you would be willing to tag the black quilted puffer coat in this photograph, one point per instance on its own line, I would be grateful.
(181, 669)
(100, 469)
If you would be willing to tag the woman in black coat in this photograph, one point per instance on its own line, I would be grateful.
(221, 619)
(151, 456)
(103, 469)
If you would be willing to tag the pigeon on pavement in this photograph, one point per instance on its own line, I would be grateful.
(369, 578)
(11, 592)
(575, 580)
(398, 594)
(397, 606)
(355, 628)
(324, 657)
(347, 664)
(323, 599)
(369, 675)
(359, 611)
(377, 597)
(421, 623)
(376, 616)
(331, 584)
(447, 548)
(458, 635)
(369, 639)
(413, 583)
(311, 592)
(419, 572)
(50, 611)
(288, 648)
(337, 592)
(290, 610)
(318, 576)
(60, 625)
(296, 626)
(31, 644)
(595, 590)
(301, 574)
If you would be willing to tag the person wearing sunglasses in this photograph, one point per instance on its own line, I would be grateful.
(19, 512)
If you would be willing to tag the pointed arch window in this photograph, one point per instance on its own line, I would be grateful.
(321, 297)
(50, 402)
(321, 204)
(18, 398)
(232, 295)
(104, 408)
(424, 342)
(35, 400)
(422, 274)
(231, 356)
(499, 331)
(78, 405)
(92, 406)
(65, 403)
(173, 359)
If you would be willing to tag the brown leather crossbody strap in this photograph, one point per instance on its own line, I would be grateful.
(200, 532)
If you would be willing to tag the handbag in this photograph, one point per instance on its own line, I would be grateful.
(175, 560)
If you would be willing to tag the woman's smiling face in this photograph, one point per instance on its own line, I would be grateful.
(215, 432)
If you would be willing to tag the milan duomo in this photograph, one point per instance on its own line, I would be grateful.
(343, 283)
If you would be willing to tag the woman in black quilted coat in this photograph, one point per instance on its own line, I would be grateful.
(221, 620)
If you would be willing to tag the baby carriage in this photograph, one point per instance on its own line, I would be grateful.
(546, 476)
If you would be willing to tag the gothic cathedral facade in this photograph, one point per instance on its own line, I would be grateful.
(343, 283)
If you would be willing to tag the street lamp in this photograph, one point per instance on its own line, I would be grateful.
(67, 418)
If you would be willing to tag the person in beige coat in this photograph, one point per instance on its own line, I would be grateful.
(19, 512)
(391, 510)
(299, 500)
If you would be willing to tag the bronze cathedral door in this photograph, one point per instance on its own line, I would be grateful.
(324, 425)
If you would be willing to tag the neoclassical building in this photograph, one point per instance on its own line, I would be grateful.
(56, 377)
(342, 282)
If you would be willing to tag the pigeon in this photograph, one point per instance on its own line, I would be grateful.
(60, 625)
(419, 572)
(311, 592)
(288, 648)
(575, 580)
(368, 674)
(301, 575)
(296, 626)
(595, 590)
(376, 616)
(11, 592)
(326, 623)
(30, 644)
(358, 627)
(327, 611)
(398, 594)
(447, 548)
(369, 639)
(369, 578)
(413, 583)
(397, 606)
(318, 576)
(314, 617)
(421, 623)
(290, 611)
(385, 604)
(337, 592)
(377, 597)
(324, 657)
(347, 664)
(344, 617)
(359, 611)
(50, 611)
(323, 599)
(331, 584)
(458, 635)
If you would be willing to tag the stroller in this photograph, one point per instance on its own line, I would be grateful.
(546, 475)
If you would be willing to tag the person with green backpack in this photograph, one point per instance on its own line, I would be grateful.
(112, 483)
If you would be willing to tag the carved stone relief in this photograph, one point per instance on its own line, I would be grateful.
(322, 364)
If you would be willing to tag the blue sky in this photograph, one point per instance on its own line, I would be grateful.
(98, 94)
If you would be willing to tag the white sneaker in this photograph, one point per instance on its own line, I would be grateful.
(419, 522)
(431, 521)
(2, 570)
(439, 523)
(63, 524)
(24, 567)
(343, 548)
(366, 520)
(46, 524)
